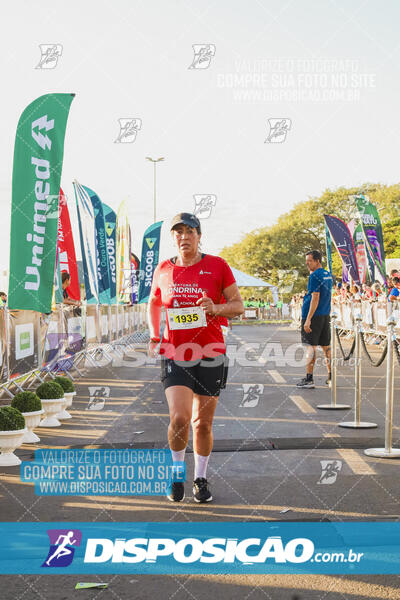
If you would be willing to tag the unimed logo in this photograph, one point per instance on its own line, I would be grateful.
(62, 547)
(24, 340)
(191, 550)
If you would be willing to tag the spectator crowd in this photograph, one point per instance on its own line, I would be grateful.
(377, 292)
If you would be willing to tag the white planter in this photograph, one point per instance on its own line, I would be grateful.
(32, 420)
(69, 396)
(64, 414)
(51, 408)
(9, 441)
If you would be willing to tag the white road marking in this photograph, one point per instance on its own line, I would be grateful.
(356, 462)
(302, 404)
(277, 377)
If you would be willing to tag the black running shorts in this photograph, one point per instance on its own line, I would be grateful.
(320, 334)
(206, 377)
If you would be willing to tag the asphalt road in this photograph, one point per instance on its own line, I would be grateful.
(270, 439)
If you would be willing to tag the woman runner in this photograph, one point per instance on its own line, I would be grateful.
(192, 349)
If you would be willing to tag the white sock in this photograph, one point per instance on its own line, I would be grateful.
(178, 455)
(200, 465)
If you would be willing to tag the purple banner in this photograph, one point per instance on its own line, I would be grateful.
(343, 241)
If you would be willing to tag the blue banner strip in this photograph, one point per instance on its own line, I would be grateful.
(200, 548)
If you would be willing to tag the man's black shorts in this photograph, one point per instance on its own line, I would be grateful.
(206, 377)
(320, 334)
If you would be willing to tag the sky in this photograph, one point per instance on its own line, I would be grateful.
(295, 97)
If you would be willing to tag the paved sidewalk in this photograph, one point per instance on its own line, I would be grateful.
(266, 465)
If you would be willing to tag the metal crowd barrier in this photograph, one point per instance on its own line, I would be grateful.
(34, 346)
(374, 315)
(359, 319)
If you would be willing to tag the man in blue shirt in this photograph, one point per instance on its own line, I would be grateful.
(315, 317)
(395, 291)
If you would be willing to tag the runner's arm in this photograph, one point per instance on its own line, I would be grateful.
(233, 307)
(313, 306)
(71, 302)
(154, 315)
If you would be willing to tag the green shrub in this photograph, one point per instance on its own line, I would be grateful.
(26, 402)
(50, 390)
(65, 383)
(11, 419)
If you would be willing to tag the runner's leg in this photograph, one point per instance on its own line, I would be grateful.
(202, 419)
(327, 353)
(311, 354)
(180, 400)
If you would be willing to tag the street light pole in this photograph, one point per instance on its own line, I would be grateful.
(154, 161)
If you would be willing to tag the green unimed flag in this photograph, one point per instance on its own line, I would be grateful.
(38, 158)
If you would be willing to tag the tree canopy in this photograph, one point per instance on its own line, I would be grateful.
(270, 251)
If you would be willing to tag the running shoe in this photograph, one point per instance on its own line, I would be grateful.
(177, 492)
(305, 383)
(201, 492)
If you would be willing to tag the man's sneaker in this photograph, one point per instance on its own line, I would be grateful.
(201, 492)
(305, 383)
(177, 492)
(329, 380)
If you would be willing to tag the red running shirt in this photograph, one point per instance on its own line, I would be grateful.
(181, 287)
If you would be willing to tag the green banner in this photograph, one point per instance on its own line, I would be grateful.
(58, 291)
(38, 157)
(372, 230)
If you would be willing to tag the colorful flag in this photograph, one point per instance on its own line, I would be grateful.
(123, 257)
(371, 264)
(38, 158)
(110, 219)
(372, 229)
(58, 291)
(103, 276)
(343, 241)
(358, 239)
(149, 261)
(88, 242)
(328, 244)
(66, 248)
(135, 266)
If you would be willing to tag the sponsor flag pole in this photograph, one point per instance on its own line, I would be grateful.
(38, 158)
(344, 244)
(123, 257)
(149, 260)
(66, 248)
(372, 230)
(103, 275)
(328, 244)
(88, 242)
(110, 219)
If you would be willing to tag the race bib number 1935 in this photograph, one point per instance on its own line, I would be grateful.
(186, 318)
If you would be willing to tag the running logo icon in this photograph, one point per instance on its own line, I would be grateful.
(203, 54)
(251, 395)
(128, 129)
(97, 397)
(62, 547)
(278, 129)
(50, 53)
(203, 205)
(330, 471)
